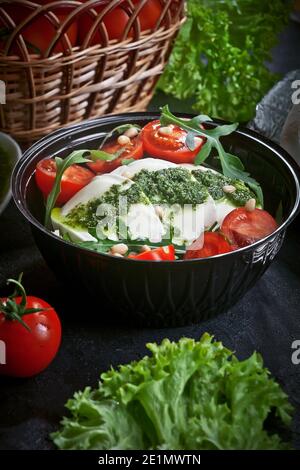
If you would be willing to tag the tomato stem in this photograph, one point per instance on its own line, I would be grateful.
(13, 310)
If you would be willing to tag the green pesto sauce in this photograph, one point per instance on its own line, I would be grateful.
(215, 182)
(171, 186)
(85, 215)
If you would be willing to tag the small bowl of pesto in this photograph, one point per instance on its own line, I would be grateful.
(10, 153)
(161, 219)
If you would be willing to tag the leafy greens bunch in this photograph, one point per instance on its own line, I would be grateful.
(219, 56)
(187, 395)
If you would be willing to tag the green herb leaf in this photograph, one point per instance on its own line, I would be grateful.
(61, 165)
(219, 58)
(208, 399)
(204, 153)
(101, 155)
(127, 161)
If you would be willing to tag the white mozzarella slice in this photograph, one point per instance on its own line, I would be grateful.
(143, 223)
(223, 208)
(96, 188)
(187, 223)
(150, 164)
(76, 234)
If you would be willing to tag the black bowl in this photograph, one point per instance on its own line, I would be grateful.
(160, 293)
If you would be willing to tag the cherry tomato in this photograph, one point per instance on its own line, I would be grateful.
(39, 33)
(74, 179)
(132, 150)
(213, 244)
(242, 227)
(149, 14)
(163, 253)
(170, 147)
(31, 342)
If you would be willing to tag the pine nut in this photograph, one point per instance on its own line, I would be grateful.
(127, 174)
(250, 205)
(228, 188)
(131, 132)
(165, 131)
(159, 211)
(123, 140)
(117, 255)
(145, 248)
(119, 249)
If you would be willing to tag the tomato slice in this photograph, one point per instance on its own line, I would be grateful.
(213, 243)
(242, 227)
(170, 147)
(74, 179)
(132, 150)
(163, 253)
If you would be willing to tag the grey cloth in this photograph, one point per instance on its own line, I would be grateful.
(273, 111)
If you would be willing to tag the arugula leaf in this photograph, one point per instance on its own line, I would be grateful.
(231, 165)
(127, 161)
(61, 165)
(189, 395)
(103, 246)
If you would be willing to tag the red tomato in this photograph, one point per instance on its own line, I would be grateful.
(168, 147)
(242, 227)
(115, 22)
(74, 179)
(133, 150)
(149, 14)
(29, 351)
(40, 32)
(163, 253)
(213, 244)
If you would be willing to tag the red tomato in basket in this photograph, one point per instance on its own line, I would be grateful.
(132, 150)
(115, 22)
(213, 244)
(242, 227)
(170, 147)
(74, 179)
(39, 33)
(149, 14)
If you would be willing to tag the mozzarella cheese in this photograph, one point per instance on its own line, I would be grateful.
(143, 221)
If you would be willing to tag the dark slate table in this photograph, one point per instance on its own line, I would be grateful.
(267, 320)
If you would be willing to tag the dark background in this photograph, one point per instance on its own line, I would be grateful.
(267, 319)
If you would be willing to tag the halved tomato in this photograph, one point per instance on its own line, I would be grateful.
(242, 227)
(170, 146)
(74, 179)
(134, 149)
(213, 243)
(163, 253)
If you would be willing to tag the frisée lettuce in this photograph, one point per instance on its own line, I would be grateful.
(187, 395)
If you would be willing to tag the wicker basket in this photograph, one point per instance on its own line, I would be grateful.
(45, 92)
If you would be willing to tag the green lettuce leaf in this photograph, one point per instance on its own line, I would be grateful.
(185, 396)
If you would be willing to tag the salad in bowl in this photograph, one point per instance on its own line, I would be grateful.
(147, 193)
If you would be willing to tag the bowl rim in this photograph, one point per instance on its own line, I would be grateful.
(21, 164)
(17, 156)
